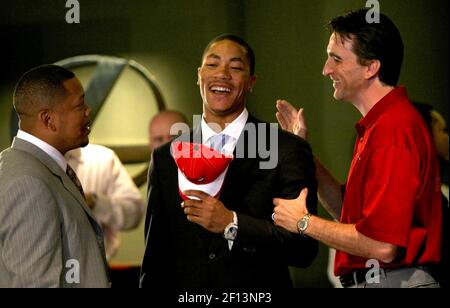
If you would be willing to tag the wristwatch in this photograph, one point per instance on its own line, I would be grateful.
(302, 224)
(231, 229)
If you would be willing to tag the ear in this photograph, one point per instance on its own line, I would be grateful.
(47, 119)
(373, 68)
(198, 76)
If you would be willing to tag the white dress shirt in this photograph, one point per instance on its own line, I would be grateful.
(44, 146)
(119, 205)
(233, 130)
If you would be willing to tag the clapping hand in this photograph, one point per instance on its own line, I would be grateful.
(290, 119)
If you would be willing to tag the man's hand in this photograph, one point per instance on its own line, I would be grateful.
(288, 212)
(208, 212)
(291, 120)
(90, 200)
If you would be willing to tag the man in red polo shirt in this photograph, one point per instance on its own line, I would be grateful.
(390, 208)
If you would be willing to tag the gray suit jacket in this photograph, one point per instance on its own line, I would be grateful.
(48, 235)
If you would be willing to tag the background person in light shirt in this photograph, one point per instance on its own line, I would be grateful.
(110, 192)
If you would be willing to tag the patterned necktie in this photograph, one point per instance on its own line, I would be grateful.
(218, 142)
(73, 176)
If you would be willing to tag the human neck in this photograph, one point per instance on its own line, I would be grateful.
(370, 96)
(220, 120)
(47, 138)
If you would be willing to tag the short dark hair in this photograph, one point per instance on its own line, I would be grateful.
(239, 40)
(372, 41)
(425, 111)
(39, 87)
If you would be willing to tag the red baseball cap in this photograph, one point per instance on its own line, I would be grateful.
(200, 168)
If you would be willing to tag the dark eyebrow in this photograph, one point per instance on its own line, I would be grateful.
(237, 59)
(213, 56)
(332, 54)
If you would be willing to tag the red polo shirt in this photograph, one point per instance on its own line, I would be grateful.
(392, 193)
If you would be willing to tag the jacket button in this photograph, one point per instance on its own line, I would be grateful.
(212, 256)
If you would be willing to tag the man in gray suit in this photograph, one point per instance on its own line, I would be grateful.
(48, 235)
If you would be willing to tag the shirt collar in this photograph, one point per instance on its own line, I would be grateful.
(397, 94)
(75, 154)
(44, 146)
(233, 129)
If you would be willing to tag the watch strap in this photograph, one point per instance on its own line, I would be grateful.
(302, 224)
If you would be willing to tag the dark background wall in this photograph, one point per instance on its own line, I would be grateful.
(289, 41)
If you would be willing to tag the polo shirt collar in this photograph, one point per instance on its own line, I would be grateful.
(397, 94)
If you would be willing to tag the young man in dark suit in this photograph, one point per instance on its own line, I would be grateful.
(228, 239)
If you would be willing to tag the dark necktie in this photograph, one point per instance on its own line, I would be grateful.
(73, 176)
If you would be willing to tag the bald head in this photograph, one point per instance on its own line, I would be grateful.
(39, 88)
(160, 125)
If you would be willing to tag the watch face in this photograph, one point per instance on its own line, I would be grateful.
(302, 224)
(231, 232)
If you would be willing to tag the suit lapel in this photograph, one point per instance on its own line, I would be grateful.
(204, 236)
(241, 169)
(46, 160)
(54, 168)
(239, 174)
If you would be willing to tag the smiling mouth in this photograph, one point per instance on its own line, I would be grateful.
(220, 90)
(335, 82)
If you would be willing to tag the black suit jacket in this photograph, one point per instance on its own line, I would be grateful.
(181, 254)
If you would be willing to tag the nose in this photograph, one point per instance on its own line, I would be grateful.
(223, 72)
(327, 70)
